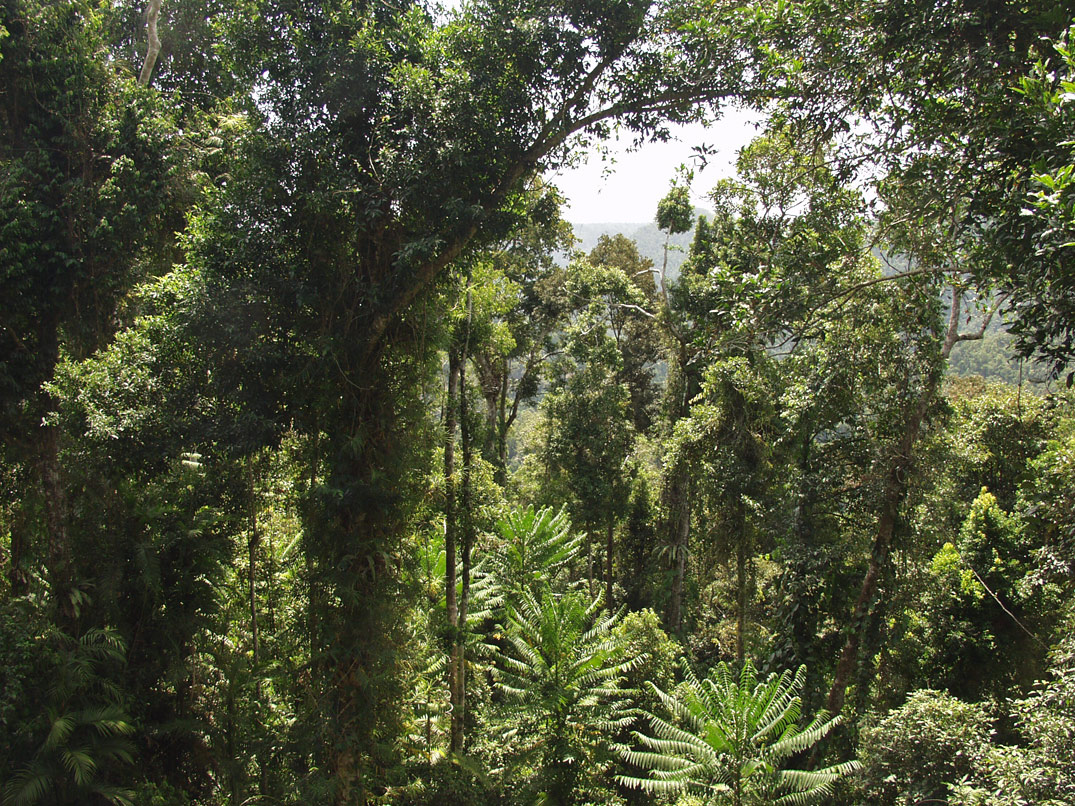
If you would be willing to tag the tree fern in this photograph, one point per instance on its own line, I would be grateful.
(727, 737)
(536, 548)
(561, 671)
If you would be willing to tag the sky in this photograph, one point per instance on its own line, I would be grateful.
(640, 179)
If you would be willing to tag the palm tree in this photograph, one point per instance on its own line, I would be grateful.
(728, 738)
(84, 732)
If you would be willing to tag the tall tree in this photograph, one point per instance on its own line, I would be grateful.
(83, 195)
(387, 145)
(521, 305)
(783, 232)
(631, 316)
(960, 101)
(588, 419)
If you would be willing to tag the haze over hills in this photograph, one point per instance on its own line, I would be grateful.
(991, 357)
(647, 237)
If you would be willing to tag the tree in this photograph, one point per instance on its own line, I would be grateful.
(386, 146)
(631, 314)
(82, 737)
(563, 667)
(536, 549)
(590, 435)
(728, 737)
(783, 236)
(1040, 241)
(915, 751)
(977, 607)
(83, 196)
(521, 304)
(957, 108)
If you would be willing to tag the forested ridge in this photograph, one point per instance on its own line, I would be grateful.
(327, 479)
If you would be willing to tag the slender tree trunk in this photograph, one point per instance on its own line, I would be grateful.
(61, 573)
(153, 47)
(900, 463)
(609, 547)
(450, 533)
(459, 724)
(271, 573)
(502, 427)
(676, 492)
(486, 367)
(680, 519)
(252, 547)
(895, 486)
(253, 539)
(18, 579)
(590, 563)
(742, 584)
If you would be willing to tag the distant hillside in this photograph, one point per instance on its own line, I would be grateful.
(990, 357)
(649, 239)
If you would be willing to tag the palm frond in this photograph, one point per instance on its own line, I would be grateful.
(731, 728)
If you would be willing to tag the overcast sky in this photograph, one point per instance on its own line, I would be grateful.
(641, 178)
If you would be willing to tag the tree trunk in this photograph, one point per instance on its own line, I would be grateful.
(153, 47)
(459, 717)
(253, 540)
(18, 579)
(502, 426)
(609, 547)
(680, 519)
(741, 584)
(487, 367)
(61, 574)
(450, 532)
(589, 563)
(676, 491)
(892, 496)
(900, 465)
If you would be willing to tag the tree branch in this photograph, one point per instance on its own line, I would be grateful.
(154, 48)
(980, 332)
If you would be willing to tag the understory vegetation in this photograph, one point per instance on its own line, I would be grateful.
(332, 472)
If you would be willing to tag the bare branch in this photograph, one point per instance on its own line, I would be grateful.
(154, 48)
(980, 332)
(847, 292)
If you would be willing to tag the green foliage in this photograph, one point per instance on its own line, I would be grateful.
(656, 655)
(562, 670)
(1039, 769)
(447, 782)
(969, 633)
(915, 751)
(81, 739)
(228, 459)
(630, 299)
(728, 738)
(675, 213)
(589, 423)
(537, 547)
(1049, 494)
(87, 157)
(1044, 294)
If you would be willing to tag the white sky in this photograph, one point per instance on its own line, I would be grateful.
(641, 178)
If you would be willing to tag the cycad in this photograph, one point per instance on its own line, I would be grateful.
(728, 737)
